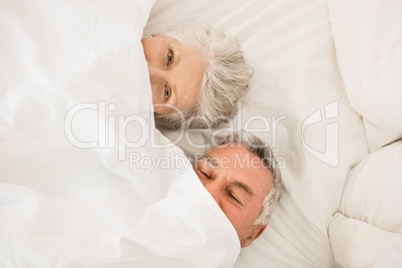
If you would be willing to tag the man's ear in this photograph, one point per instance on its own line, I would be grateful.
(257, 232)
(260, 229)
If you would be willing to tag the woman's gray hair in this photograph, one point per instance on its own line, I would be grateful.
(226, 78)
(264, 152)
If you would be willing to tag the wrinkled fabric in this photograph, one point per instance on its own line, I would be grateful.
(85, 178)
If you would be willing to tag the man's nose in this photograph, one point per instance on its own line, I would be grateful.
(214, 189)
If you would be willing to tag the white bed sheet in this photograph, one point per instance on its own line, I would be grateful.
(65, 206)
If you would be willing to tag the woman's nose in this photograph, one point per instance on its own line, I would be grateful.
(155, 73)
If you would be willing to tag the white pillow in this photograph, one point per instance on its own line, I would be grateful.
(358, 244)
(373, 190)
(367, 37)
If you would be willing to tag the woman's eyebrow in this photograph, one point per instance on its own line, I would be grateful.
(172, 46)
(176, 52)
(173, 90)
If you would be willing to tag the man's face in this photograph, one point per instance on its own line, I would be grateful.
(239, 182)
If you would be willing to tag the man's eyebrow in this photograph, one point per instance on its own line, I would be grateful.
(243, 186)
(211, 160)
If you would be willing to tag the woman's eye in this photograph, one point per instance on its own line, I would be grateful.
(169, 58)
(166, 93)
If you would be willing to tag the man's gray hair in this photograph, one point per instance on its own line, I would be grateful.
(256, 146)
(226, 78)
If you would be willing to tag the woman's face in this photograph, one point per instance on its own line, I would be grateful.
(175, 71)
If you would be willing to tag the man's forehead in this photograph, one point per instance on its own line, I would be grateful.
(214, 161)
(233, 157)
(239, 157)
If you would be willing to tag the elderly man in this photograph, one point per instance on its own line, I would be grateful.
(243, 177)
(103, 222)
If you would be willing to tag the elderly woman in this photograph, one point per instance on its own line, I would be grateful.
(200, 72)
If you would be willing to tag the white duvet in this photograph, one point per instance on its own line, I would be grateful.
(85, 179)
